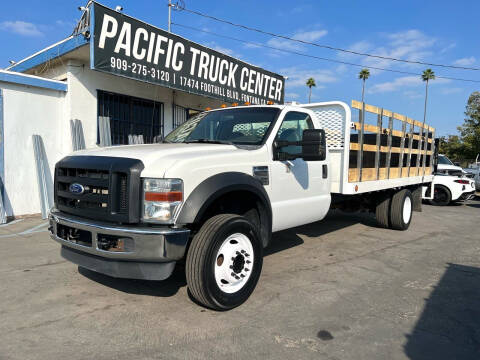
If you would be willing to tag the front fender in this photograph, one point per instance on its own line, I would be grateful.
(215, 186)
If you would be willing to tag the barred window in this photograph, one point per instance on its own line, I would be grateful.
(130, 116)
(180, 115)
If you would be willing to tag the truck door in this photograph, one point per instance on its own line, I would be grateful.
(300, 189)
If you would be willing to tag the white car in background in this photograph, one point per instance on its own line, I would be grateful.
(448, 189)
(473, 171)
(446, 166)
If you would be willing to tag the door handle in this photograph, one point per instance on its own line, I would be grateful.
(324, 171)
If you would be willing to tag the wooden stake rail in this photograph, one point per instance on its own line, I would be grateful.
(366, 147)
(375, 129)
(424, 136)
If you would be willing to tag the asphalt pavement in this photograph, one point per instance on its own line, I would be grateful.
(336, 289)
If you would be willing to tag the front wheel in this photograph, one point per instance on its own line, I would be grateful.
(224, 262)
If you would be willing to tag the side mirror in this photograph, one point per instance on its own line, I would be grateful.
(314, 145)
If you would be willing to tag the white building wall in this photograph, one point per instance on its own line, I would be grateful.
(28, 111)
(83, 84)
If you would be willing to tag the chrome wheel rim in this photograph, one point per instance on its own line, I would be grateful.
(233, 263)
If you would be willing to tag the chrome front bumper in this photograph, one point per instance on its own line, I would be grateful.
(152, 253)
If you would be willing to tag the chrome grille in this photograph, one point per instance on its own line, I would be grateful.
(97, 187)
(95, 183)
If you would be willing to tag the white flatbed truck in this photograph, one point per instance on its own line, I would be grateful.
(219, 185)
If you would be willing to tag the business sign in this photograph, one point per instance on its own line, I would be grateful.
(128, 47)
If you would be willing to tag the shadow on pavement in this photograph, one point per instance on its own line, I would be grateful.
(334, 221)
(474, 205)
(281, 241)
(449, 327)
(456, 203)
(165, 288)
(451, 204)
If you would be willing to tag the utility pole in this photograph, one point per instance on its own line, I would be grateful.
(169, 15)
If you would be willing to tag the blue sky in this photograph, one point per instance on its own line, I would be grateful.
(430, 31)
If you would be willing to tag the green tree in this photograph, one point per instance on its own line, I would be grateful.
(465, 146)
(364, 74)
(427, 75)
(470, 130)
(310, 83)
(452, 146)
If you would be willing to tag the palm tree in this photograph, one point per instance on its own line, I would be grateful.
(426, 76)
(364, 74)
(310, 83)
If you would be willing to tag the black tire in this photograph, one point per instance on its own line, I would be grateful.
(401, 199)
(382, 211)
(441, 196)
(201, 261)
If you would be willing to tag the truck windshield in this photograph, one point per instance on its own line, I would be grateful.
(247, 126)
(442, 159)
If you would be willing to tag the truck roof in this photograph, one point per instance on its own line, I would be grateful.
(286, 106)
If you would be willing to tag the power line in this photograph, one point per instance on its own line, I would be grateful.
(327, 46)
(317, 57)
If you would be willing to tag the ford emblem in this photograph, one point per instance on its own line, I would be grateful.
(76, 188)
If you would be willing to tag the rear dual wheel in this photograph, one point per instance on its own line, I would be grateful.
(224, 262)
(382, 211)
(395, 212)
(401, 210)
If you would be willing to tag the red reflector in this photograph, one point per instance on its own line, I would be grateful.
(167, 196)
(465, 182)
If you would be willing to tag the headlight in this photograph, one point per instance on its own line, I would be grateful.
(161, 199)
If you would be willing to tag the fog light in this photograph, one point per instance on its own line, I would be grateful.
(114, 243)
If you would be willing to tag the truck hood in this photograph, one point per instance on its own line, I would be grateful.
(162, 155)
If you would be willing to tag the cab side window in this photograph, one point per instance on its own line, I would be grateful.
(292, 130)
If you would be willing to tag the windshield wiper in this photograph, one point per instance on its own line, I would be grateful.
(208, 141)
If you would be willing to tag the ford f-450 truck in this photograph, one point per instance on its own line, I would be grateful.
(217, 187)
